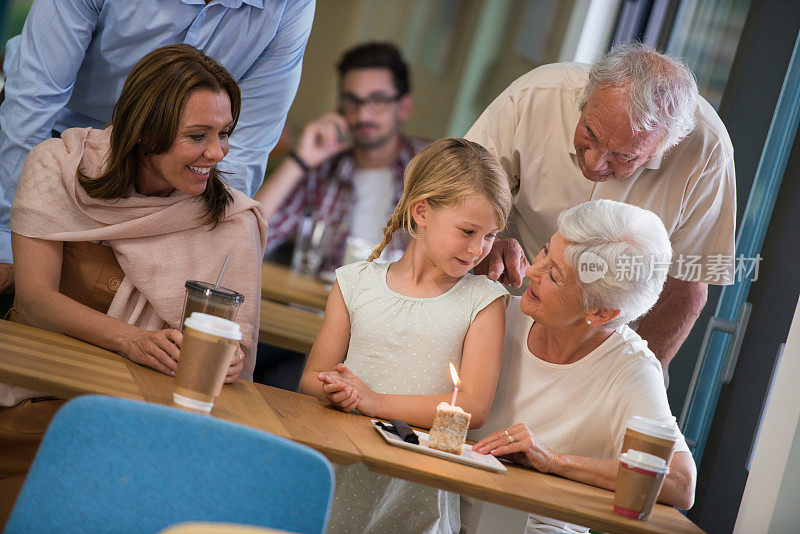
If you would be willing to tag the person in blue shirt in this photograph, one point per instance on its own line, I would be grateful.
(68, 66)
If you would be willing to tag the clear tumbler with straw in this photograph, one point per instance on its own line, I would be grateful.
(213, 299)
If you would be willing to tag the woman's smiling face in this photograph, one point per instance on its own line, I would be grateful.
(200, 143)
(553, 297)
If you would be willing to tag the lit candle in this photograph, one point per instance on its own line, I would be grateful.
(456, 382)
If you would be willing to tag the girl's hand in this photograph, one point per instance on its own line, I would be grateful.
(236, 366)
(367, 399)
(518, 444)
(339, 394)
(158, 349)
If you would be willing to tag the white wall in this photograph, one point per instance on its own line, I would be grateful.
(771, 500)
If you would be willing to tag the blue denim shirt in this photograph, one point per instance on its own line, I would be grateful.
(68, 67)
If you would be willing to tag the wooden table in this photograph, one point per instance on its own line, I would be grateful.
(279, 284)
(45, 361)
(289, 328)
(56, 364)
(291, 308)
(519, 487)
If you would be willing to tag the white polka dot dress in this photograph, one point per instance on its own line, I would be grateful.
(402, 345)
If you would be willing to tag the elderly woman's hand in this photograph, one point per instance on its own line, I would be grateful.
(518, 444)
(159, 349)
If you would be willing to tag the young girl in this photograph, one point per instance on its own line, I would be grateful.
(390, 329)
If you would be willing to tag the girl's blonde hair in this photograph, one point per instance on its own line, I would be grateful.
(445, 173)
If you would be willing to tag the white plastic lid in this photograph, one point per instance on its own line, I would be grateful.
(642, 460)
(652, 427)
(216, 326)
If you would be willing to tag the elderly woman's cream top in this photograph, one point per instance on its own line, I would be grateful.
(579, 408)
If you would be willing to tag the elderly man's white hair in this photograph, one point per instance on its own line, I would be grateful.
(636, 250)
(663, 91)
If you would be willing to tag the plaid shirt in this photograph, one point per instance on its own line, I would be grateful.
(326, 193)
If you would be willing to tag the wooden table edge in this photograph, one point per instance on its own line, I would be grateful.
(65, 390)
(464, 488)
(332, 454)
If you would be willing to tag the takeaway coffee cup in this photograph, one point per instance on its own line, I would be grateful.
(208, 348)
(204, 297)
(639, 480)
(651, 436)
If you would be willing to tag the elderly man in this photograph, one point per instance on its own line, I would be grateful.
(630, 128)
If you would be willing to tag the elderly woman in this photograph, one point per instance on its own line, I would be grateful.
(573, 372)
(107, 226)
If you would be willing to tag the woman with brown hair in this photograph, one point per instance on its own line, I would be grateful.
(107, 225)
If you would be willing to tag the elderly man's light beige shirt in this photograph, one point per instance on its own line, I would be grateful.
(530, 127)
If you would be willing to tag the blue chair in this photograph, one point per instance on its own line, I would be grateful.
(115, 465)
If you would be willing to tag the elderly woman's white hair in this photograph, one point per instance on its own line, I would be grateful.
(630, 243)
(663, 91)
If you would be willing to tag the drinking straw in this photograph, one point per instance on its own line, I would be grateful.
(222, 272)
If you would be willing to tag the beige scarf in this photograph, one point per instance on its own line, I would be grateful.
(159, 242)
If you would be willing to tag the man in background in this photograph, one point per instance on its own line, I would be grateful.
(347, 168)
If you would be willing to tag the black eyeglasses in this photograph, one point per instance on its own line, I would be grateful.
(349, 103)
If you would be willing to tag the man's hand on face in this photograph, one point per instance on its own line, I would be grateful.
(6, 278)
(506, 263)
(322, 138)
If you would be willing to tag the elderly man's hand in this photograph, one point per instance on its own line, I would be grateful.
(6, 278)
(506, 263)
(520, 445)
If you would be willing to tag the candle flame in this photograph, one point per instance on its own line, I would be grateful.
(454, 374)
